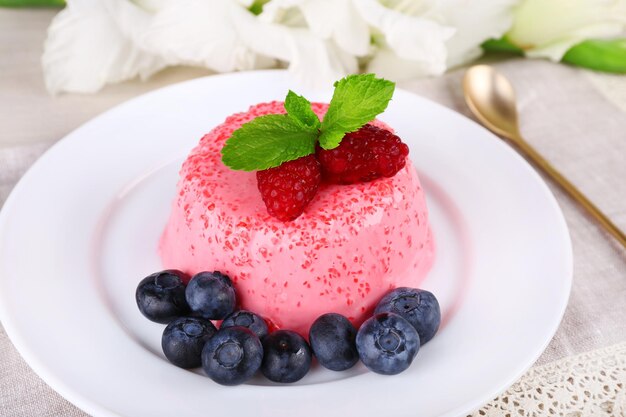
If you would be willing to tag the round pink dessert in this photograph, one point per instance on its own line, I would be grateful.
(351, 245)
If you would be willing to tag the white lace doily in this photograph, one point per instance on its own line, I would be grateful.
(592, 384)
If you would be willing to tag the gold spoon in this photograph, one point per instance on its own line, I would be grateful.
(490, 96)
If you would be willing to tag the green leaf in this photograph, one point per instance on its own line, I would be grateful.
(270, 140)
(299, 108)
(267, 142)
(32, 3)
(357, 100)
(502, 45)
(257, 6)
(599, 55)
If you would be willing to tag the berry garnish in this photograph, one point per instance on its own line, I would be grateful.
(246, 319)
(161, 296)
(211, 295)
(364, 155)
(183, 340)
(332, 339)
(387, 343)
(232, 356)
(270, 140)
(287, 189)
(281, 147)
(287, 356)
(418, 307)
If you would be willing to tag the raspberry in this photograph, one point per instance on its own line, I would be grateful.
(287, 189)
(364, 155)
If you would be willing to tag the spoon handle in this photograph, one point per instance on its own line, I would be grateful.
(569, 188)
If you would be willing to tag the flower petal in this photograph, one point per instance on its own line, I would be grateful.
(388, 64)
(87, 49)
(313, 61)
(412, 38)
(549, 29)
(318, 63)
(202, 33)
(475, 22)
(335, 20)
(338, 20)
(284, 12)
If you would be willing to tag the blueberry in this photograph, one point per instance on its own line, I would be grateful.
(161, 296)
(247, 319)
(387, 343)
(183, 340)
(287, 356)
(419, 307)
(332, 339)
(232, 356)
(211, 295)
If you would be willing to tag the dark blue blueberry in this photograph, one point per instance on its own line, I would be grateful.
(161, 296)
(387, 343)
(287, 356)
(419, 307)
(232, 356)
(247, 319)
(332, 339)
(211, 295)
(183, 340)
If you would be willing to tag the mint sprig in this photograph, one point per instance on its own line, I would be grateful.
(269, 141)
(357, 99)
(299, 108)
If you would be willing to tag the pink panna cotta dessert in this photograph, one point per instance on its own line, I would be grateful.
(352, 244)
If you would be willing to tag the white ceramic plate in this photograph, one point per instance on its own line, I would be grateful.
(80, 230)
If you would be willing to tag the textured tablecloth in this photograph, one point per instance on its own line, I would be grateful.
(577, 119)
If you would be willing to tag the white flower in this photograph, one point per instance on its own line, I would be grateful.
(417, 38)
(549, 28)
(95, 42)
(203, 33)
(409, 44)
(319, 39)
(224, 36)
(475, 21)
(334, 20)
(313, 62)
(92, 42)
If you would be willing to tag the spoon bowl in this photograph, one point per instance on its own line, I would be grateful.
(491, 98)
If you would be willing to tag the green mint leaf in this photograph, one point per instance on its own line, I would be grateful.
(267, 142)
(299, 108)
(357, 100)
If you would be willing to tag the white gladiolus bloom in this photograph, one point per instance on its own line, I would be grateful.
(93, 42)
(202, 33)
(417, 38)
(334, 20)
(408, 43)
(223, 35)
(549, 28)
(475, 22)
(312, 61)
(319, 39)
